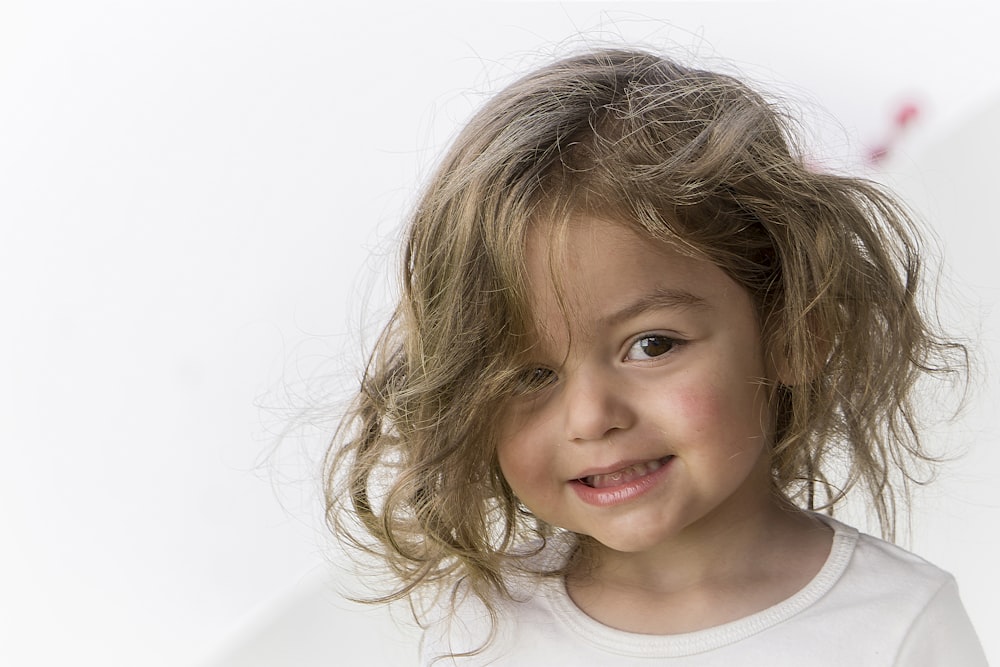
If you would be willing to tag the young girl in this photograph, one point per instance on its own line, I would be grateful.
(639, 343)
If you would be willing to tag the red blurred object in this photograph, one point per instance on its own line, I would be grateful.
(901, 120)
(907, 113)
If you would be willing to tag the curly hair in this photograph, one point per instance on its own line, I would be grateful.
(692, 158)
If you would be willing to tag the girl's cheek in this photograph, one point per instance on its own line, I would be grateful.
(514, 426)
(699, 407)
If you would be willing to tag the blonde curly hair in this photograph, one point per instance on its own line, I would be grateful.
(693, 158)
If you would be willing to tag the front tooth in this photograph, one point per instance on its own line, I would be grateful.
(626, 474)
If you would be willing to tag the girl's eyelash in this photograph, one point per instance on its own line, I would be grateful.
(652, 346)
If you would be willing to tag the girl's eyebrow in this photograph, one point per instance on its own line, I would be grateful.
(658, 297)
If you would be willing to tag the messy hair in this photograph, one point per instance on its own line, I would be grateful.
(687, 157)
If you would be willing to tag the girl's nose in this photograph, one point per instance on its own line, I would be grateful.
(595, 407)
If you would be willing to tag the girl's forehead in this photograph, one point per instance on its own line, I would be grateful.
(593, 271)
(586, 244)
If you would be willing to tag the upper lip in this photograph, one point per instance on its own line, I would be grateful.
(620, 465)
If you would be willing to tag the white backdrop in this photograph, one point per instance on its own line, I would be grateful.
(198, 202)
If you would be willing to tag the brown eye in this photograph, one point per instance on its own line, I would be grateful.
(650, 347)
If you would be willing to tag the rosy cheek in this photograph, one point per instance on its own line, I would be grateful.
(698, 407)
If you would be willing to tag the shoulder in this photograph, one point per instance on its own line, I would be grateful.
(942, 634)
(519, 628)
(911, 604)
(520, 621)
(895, 566)
(461, 623)
(886, 576)
(872, 566)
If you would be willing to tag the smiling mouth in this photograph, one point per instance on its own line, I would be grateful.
(625, 475)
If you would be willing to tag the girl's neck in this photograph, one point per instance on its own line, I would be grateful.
(706, 576)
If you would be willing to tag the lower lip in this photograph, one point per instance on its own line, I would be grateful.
(616, 495)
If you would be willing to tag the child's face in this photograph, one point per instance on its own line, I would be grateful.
(646, 419)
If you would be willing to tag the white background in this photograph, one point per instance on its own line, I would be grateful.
(198, 204)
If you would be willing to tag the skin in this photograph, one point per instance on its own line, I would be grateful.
(643, 354)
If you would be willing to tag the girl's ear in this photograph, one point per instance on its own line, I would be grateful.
(781, 369)
(794, 365)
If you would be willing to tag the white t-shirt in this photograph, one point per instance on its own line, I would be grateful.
(872, 604)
